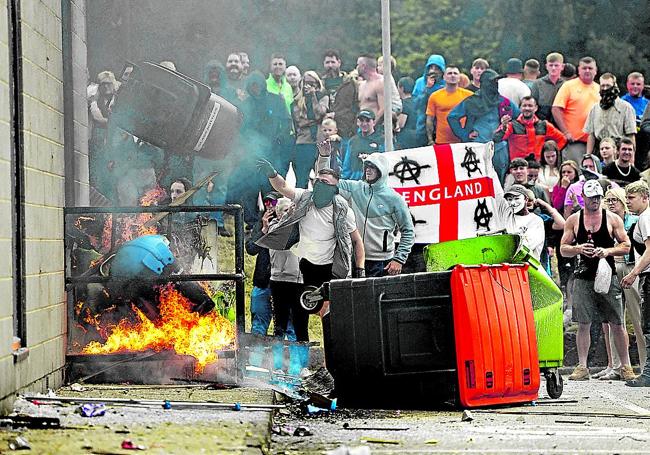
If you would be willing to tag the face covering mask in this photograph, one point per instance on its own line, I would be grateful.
(517, 203)
(323, 194)
(608, 96)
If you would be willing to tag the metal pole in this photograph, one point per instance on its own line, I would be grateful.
(388, 111)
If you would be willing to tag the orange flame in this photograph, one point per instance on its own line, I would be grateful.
(178, 329)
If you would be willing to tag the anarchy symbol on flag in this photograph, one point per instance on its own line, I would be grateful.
(451, 190)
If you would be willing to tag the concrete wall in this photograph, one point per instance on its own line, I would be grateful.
(43, 94)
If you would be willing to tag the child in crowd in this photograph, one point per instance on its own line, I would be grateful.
(330, 131)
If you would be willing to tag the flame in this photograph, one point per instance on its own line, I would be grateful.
(178, 329)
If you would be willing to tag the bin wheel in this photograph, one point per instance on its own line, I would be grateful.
(310, 302)
(554, 384)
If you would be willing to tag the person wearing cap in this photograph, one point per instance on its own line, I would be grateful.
(379, 211)
(638, 195)
(511, 86)
(590, 236)
(526, 134)
(519, 175)
(571, 106)
(482, 113)
(528, 225)
(366, 141)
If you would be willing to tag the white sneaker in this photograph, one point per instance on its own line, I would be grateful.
(602, 373)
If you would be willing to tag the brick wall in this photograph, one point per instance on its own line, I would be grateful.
(44, 173)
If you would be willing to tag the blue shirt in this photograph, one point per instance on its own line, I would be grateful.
(639, 104)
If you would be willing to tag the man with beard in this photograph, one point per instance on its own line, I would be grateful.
(527, 133)
(343, 94)
(328, 237)
(371, 89)
(234, 71)
(277, 83)
(571, 107)
(483, 112)
(545, 88)
(612, 117)
(622, 170)
(594, 234)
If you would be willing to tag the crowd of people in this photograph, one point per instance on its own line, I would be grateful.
(570, 152)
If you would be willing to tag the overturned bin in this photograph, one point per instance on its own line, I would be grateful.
(174, 112)
(421, 339)
(547, 298)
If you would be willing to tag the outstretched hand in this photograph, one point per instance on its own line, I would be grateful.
(324, 147)
(266, 168)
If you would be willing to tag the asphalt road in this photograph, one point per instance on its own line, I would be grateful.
(591, 417)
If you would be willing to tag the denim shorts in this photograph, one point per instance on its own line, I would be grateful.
(592, 307)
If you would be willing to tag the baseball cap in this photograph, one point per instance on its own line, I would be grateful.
(514, 66)
(517, 190)
(592, 188)
(366, 114)
(518, 162)
(271, 196)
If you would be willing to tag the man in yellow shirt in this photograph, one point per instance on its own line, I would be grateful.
(571, 107)
(440, 103)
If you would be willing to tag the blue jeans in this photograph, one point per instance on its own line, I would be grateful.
(262, 313)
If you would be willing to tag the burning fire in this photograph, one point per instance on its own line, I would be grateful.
(178, 329)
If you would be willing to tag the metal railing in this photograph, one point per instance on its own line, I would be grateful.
(85, 278)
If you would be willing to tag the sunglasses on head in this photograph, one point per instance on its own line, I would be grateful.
(270, 202)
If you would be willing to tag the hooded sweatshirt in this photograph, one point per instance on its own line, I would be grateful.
(224, 89)
(421, 82)
(421, 94)
(378, 211)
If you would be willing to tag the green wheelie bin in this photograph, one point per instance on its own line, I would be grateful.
(546, 296)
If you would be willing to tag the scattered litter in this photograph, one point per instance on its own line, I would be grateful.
(31, 422)
(19, 443)
(280, 430)
(315, 410)
(432, 441)
(167, 405)
(467, 416)
(92, 409)
(533, 403)
(348, 427)
(580, 422)
(127, 444)
(76, 387)
(302, 431)
(345, 450)
(379, 441)
(627, 436)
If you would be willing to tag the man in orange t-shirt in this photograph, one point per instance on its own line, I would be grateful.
(440, 103)
(571, 107)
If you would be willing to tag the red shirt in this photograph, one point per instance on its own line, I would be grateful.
(526, 137)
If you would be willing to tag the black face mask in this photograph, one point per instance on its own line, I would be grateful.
(608, 96)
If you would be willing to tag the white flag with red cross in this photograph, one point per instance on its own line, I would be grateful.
(452, 190)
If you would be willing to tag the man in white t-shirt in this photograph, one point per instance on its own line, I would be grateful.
(528, 225)
(638, 194)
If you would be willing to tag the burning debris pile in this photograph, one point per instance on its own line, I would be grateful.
(179, 329)
(128, 312)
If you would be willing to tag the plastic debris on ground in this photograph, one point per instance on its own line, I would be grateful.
(92, 409)
(302, 431)
(127, 444)
(467, 416)
(19, 443)
(345, 450)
